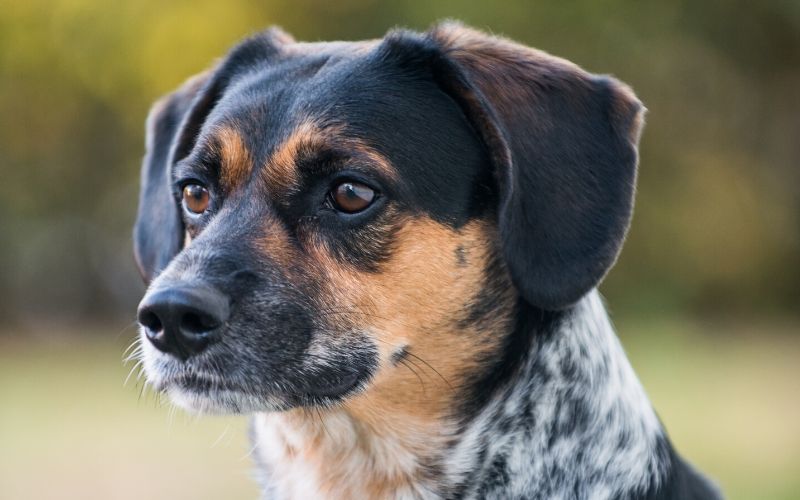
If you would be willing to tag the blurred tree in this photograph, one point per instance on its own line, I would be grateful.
(717, 226)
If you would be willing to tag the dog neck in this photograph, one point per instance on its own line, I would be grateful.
(571, 416)
(575, 419)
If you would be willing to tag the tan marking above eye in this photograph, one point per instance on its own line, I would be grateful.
(351, 197)
(281, 173)
(307, 139)
(235, 160)
(196, 198)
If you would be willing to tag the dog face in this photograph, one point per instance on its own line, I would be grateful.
(329, 223)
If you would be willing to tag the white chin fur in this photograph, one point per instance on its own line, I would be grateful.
(221, 402)
(202, 403)
(158, 368)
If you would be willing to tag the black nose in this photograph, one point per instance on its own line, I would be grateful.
(183, 320)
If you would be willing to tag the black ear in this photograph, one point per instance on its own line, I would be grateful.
(158, 233)
(173, 125)
(563, 146)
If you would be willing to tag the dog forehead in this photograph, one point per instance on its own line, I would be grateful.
(345, 82)
(347, 94)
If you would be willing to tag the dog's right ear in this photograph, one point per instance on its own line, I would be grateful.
(173, 125)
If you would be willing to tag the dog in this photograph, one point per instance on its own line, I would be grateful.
(387, 252)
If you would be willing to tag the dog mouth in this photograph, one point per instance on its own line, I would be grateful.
(226, 380)
(336, 387)
(209, 394)
(198, 390)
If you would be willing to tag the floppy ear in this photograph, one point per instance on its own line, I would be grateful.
(173, 125)
(158, 233)
(563, 147)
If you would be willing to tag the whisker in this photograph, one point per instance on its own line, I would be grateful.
(432, 368)
(403, 362)
(250, 451)
(126, 328)
(409, 353)
(137, 353)
(136, 366)
(134, 344)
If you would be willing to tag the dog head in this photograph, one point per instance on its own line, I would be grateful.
(318, 219)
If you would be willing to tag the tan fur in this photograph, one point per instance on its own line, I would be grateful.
(417, 300)
(376, 443)
(274, 244)
(309, 137)
(280, 174)
(236, 163)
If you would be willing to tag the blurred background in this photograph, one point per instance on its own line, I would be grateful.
(706, 294)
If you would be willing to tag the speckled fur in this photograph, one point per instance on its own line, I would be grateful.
(574, 422)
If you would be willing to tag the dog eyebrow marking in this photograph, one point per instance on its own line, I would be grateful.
(236, 163)
(309, 138)
(280, 172)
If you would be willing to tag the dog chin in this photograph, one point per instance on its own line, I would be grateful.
(203, 394)
(221, 401)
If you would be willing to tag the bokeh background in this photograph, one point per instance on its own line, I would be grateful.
(706, 294)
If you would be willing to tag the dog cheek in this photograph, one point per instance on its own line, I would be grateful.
(423, 308)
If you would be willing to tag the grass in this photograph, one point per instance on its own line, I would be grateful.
(69, 429)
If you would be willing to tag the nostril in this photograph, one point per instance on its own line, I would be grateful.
(195, 323)
(150, 321)
(183, 320)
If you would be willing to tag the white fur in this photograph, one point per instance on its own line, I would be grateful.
(359, 455)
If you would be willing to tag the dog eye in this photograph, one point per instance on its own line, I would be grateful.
(351, 197)
(195, 198)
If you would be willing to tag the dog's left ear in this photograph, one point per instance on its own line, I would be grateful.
(563, 144)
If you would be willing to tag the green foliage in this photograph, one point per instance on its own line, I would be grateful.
(718, 209)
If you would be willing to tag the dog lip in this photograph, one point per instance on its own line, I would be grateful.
(341, 387)
(198, 383)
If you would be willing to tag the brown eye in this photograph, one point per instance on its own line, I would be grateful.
(351, 197)
(195, 198)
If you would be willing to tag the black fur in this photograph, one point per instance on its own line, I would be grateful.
(683, 482)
